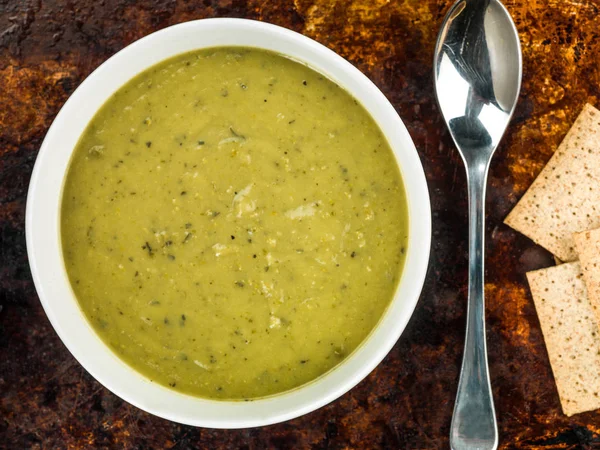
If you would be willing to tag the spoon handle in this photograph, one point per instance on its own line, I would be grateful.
(474, 420)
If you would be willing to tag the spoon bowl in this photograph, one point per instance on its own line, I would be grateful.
(477, 72)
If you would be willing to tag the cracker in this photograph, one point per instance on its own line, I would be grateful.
(588, 250)
(565, 197)
(571, 334)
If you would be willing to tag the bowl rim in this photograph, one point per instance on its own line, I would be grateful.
(43, 227)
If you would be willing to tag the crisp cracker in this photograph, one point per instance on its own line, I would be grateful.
(588, 250)
(565, 197)
(571, 334)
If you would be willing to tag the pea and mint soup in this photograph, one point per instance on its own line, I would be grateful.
(233, 223)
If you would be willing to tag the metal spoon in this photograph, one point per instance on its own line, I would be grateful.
(477, 70)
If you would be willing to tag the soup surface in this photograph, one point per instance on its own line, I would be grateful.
(233, 223)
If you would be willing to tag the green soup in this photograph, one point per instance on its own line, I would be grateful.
(233, 223)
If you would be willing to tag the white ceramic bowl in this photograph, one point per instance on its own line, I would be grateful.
(43, 226)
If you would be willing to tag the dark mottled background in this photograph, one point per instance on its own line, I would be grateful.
(47, 47)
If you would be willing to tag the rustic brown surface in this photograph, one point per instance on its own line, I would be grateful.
(47, 47)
